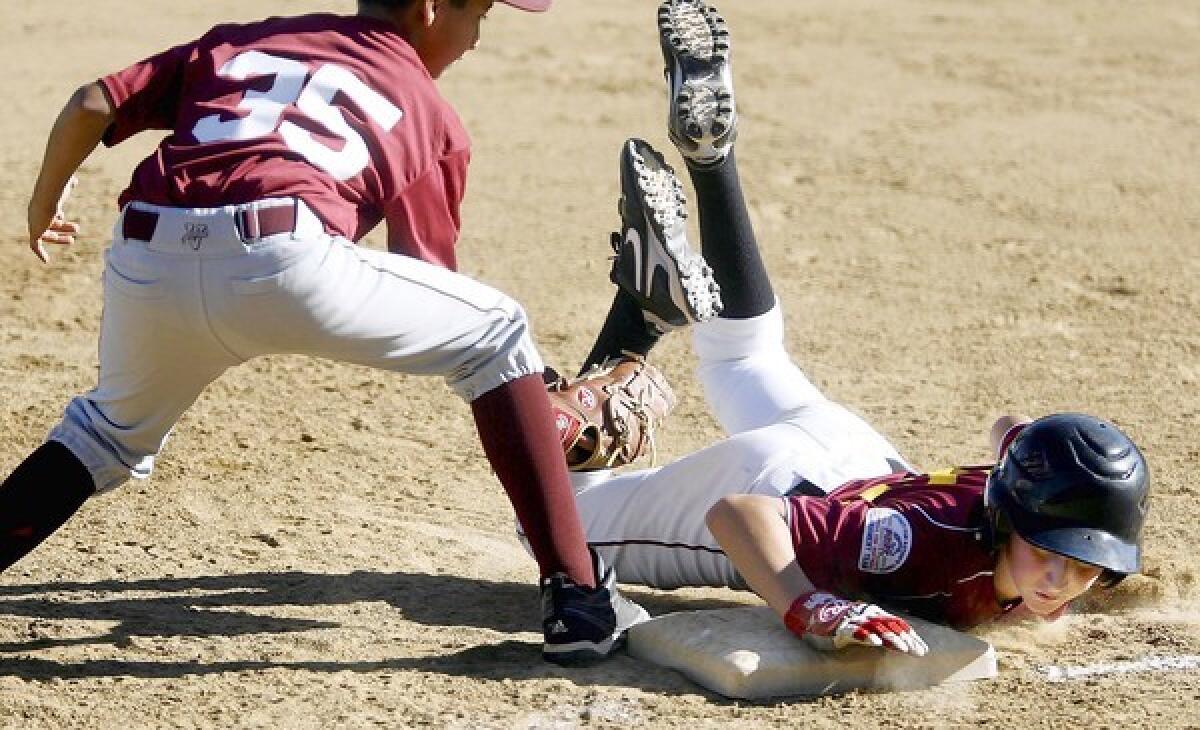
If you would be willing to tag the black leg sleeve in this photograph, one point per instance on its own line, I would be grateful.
(36, 499)
(624, 330)
(728, 243)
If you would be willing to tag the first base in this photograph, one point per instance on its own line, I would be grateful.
(747, 653)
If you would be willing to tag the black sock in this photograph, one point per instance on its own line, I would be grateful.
(729, 246)
(624, 330)
(728, 243)
(38, 497)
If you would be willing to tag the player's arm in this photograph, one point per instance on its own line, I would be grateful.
(79, 128)
(1004, 430)
(753, 532)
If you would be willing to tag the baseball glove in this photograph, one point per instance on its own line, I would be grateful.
(606, 417)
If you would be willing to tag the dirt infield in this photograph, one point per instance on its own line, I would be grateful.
(969, 208)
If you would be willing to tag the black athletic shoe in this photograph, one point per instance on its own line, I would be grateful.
(585, 625)
(654, 263)
(702, 116)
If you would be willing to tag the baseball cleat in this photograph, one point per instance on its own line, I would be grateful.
(702, 116)
(583, 625)
(654, 263)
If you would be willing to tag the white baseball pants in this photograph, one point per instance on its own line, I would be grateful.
(649, 524)
(197, 299)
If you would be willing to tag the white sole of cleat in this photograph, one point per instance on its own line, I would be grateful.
(700, 88)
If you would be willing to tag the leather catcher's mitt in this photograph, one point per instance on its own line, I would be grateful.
(606, 417)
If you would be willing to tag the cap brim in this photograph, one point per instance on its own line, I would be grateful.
(533, 6)
(1087, 546)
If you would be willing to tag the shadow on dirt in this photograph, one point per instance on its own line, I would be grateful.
(211, 606)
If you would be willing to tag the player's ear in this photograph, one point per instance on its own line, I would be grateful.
(416, 16)
(430, 10)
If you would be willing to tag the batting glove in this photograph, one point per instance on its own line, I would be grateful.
(829, 623)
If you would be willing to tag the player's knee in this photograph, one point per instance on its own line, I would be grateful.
(104, 448)
(503, 351)
(509, 341)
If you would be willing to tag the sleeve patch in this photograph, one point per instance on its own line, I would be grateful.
(886, 541)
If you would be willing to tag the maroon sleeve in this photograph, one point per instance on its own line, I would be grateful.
(424, 220)
(824, 538)
(146, 94)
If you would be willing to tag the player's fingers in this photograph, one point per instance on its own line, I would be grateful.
(866, 637)
(912, 641)
(904, 631)
(905, 639)
(921, 647)
(894, 641)
(893, 632)
(896, 625)
(889, 624)
(59, 239)
(39, 250)
(60, 225)
(59, 232)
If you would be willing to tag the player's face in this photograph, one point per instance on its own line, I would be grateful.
(1044, 581)
(453, 31)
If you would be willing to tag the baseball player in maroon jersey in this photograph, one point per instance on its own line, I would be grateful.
(288, 140)
(803, 502)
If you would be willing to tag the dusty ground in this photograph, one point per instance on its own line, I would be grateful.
(968, 208)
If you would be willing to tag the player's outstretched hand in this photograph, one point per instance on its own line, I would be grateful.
(828, 623)
(48, 225)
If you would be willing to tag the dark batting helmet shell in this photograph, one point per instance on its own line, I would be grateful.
(1074, 485)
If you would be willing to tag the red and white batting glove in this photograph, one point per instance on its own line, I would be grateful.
(828, 623)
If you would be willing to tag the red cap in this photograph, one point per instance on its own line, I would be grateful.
(535, 6)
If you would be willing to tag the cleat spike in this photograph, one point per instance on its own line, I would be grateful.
(695, 43)
(654, 262)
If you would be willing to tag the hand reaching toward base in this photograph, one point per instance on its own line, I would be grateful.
(829, 623)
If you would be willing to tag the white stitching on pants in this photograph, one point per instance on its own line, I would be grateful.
(511, 316)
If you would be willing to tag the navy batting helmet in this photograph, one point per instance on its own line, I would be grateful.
(1074, 485)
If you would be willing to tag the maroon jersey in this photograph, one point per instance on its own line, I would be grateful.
(915, 542)
(338, 111)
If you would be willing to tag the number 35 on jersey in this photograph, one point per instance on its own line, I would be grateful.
(312, 94)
